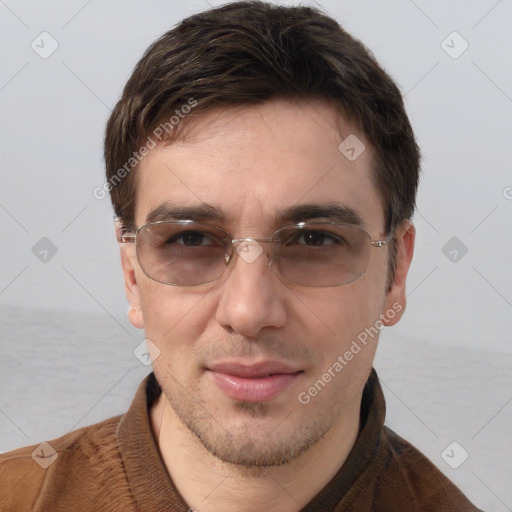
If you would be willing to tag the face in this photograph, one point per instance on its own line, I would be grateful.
(239, 358)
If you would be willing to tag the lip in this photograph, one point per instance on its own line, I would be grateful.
(259, 382)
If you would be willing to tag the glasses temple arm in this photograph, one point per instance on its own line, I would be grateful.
(126, 239)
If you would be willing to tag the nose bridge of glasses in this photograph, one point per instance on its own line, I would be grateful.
(248, 249)
(249, 239)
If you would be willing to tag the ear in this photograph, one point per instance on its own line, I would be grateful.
(396, 296)
(128, 262)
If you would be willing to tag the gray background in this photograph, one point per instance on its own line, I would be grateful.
(67, 349)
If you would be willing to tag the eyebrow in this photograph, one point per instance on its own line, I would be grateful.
(167, 211)
(333, 211)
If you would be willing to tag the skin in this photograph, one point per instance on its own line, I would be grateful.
(253, 162)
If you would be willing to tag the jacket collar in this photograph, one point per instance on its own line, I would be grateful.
(153, 488)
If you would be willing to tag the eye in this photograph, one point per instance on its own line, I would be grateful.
(193, 239)
(316, 239)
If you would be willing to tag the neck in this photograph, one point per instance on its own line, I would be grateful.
(207, 484)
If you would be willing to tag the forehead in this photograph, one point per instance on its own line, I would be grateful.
(249, 166)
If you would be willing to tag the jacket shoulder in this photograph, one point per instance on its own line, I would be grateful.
(31, 474)
(410, 473)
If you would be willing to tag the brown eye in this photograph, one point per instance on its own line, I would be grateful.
(191, 239)
(314, 238)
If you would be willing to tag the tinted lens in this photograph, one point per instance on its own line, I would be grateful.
(182, 254)
(323, 254)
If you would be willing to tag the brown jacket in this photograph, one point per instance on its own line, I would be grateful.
(115, 465)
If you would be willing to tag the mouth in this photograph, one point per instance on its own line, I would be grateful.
(259, 382)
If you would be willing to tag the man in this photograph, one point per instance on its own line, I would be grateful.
(264, 173)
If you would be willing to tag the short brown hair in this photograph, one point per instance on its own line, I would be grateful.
(250, 52)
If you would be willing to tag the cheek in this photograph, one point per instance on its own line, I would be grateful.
(349, 317)
(346, 352)
(174, 317)
(174, 321)
(348, 310)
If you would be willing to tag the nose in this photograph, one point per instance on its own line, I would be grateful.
(252, 298)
